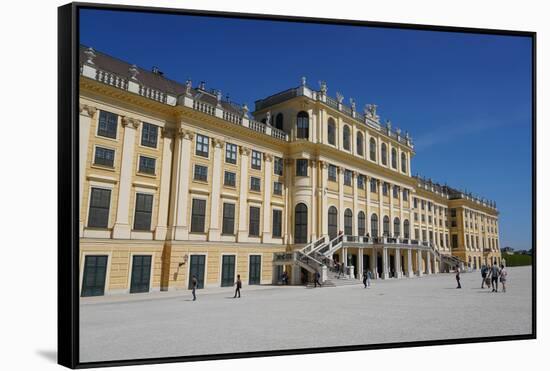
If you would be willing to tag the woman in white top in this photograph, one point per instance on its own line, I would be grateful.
(503, 275)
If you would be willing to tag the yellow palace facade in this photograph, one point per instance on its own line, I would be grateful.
(177, 181)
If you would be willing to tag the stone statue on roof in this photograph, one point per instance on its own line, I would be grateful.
(339, 97)
(323, 87)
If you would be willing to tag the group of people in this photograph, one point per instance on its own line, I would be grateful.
(492, 275)
(238, 285)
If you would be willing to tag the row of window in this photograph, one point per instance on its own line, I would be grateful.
(106, 157)
(108, 124)
(493, 242)
(428, 204)
(200, 173)
(100, 201)
(435, 220)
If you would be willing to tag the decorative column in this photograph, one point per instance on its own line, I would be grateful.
(385, 273)
(122, 227)
(410, 272)
(360, 262)
(428, 263)
(401, 222)
(355, 229)
(165, 180)
(341, 198)
(324, 199)
(313, 211)
(419, 262)
(390, 194)
(436, 267)
(181, 227)
(214, 229)
(267, 233)
(367, 207)
(242, 232)
(398, 272)
(381, 209)
(288, 199)
(87, 114)
(374, 263)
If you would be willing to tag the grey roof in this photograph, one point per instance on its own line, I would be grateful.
(154, 80)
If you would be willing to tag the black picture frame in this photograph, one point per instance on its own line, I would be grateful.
(68, 240)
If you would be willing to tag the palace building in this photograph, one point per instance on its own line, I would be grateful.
(175, 180)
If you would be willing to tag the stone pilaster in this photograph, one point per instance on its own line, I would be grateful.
(217, 176)
(266, 230)
(242, 232)
(341, 198)
(122, 226)
(181, 226)
(323, 209)
(86, 117)
(312, 164)
(165, 180)
(410, 272)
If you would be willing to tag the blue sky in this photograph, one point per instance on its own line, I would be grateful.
(464, 98)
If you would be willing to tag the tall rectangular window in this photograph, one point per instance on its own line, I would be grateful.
(147, 165)
(453, 213)
(198, 215)
(228, 225)
(104, 157)
(202, 145)
(149, 135)
(361, 182)
(256, 160)
(301, 167)
(348, 175)
(373, 185)
(332, 173)
(405, 194)
(255, 184)
(385, 187)
(277, 188)
(231, 153)
(144, 210)
(277, 223)
(395, 192)
(201, 173)
(229, 179)
(254, 221)
(278, 166)
(100, 200)
(107, 126)
(415, 203)
(454, 241)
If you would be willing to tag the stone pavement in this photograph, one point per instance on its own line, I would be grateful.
(271, 318)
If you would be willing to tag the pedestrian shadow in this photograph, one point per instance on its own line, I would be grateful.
(231, 297)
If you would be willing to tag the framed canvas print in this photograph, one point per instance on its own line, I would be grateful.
(241, 185)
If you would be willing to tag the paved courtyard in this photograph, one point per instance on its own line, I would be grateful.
(271, 318)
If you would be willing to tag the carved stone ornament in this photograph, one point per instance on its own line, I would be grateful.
(219, 97)
(186, 134)
(245, 110)
(352, 103)
(166, 132)
(133, 72)
(323, 87)
(303, 81)
(313, 163)
(323, 164)
(218, 142)
(245, 151)
(126, 120)
(90, 55)
(339, 97)
(268, 157)
(289, 161)
(89, 110)
(268, 117)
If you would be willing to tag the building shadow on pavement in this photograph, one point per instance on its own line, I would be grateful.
(50, 355)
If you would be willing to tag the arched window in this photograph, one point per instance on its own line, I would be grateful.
(348, 222)
(394, 158)
(346, 138)
(300, 224)
(360, 144)
(406, 229)
(331, 131)
(386, 226)
(384, 154)
(279, 121)
(332, 222)
(361, 223)
(372, 149)
(374, 225)
(302, 125)
(396, 227)
(403, 162)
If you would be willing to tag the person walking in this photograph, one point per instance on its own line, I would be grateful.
(340, 269)
(458, 278)
(238, 285)
(503, 275)
(194, 287)
(365, 273)
(369, 277)
(317, 277)
(483, 275)
(494, 272)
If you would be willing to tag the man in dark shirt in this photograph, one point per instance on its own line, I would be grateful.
(238, 285)
(494, 272)
(194, 286)
(483, 275)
